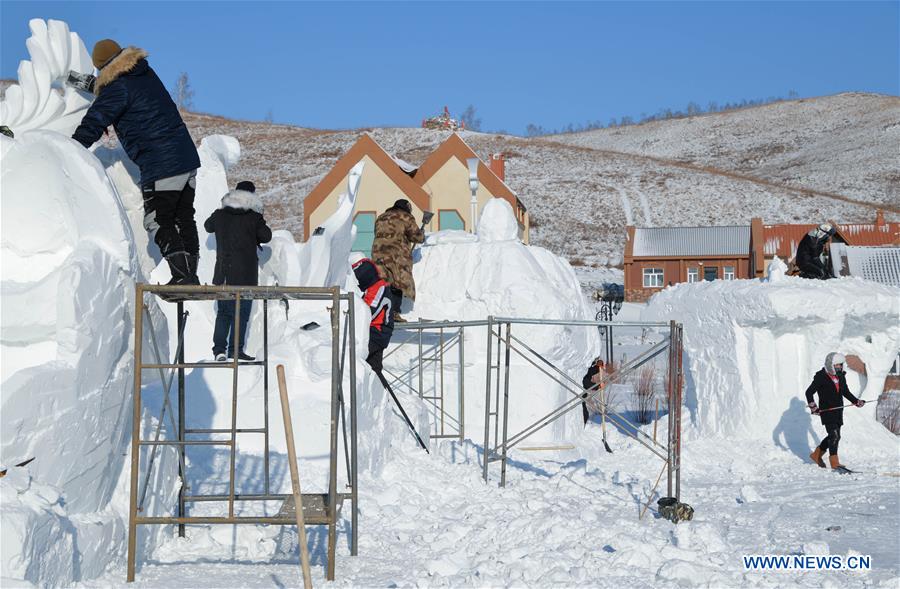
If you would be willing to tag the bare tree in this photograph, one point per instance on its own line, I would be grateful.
(270, 117)
(182, 93)
(644, 392)
(469, 119)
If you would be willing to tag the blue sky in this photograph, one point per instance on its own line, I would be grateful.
(347, 65)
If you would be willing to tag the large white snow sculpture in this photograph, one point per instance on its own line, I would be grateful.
(69, 267)
(752, 348)
(40, 100)
(462, 279)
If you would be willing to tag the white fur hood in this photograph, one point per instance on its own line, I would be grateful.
(241, 199)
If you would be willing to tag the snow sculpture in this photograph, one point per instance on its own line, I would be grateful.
(751, 348)
(69, 268)
(324, 257)
(461, 279)
(497, 222)
(37, 102)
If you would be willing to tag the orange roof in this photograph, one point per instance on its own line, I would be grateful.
(870, 233)
(364, 146)
(782, 240)
(454, 146)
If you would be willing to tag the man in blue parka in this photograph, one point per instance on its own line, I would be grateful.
(132, 99)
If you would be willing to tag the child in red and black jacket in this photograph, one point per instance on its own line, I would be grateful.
(376, 294)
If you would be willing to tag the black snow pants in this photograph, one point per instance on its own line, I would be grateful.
(169, 214)
(831, 440)
(375, 359)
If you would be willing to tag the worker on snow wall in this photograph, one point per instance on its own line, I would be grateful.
(396, 233)
(830, 383)
(810, 252)
(132, 99)
(376, 294)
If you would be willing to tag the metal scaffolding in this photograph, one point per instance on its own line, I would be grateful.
(507, 343)
(430, 349)
(317, 508)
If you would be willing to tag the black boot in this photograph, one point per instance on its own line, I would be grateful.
(179, 264)
(193, 261)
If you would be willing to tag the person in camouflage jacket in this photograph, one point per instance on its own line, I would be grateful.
(396, 233)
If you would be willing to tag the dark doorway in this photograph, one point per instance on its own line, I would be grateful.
(710, 272)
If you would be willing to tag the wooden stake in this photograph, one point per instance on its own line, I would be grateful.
(295, 477)
(656, 421)
(653, 490)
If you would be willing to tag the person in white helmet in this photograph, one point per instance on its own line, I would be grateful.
(810, 252)
(830, 384)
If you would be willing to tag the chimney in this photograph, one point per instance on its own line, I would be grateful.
(498, 166)
(879, 218)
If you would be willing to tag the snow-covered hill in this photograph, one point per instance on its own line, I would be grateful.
(845, 144)
(831, 157)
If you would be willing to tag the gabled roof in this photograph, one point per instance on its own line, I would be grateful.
(364, 146)
(691, 241)
(454, 146)
(783, 239)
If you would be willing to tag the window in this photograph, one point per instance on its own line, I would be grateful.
(728, 273)
(365, 232)
(653, 277)
(710, 272)
(693, 274)
(450, 219)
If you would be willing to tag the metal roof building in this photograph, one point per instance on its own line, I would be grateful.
(691, 241)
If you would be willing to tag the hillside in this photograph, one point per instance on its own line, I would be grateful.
(846, 144)
(582, 189)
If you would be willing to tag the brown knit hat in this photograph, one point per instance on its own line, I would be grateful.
(104, 52)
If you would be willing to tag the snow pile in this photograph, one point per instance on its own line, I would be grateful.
(69, 268)
(460, 279)
(751, 349)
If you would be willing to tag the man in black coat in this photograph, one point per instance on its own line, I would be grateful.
(809, 252)
(240, 228)
(830, 384)
(132, 99)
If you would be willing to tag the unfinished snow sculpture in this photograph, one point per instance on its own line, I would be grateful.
(462, 279)
(751, 349)
(324, 257)
(40, 100)
(69, 267)
(497, 222)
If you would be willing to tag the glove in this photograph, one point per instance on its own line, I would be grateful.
(860, 403)
(814, 408)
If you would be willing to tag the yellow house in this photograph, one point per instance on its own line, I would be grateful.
(445, 177)
(440, 185)
(383, 182)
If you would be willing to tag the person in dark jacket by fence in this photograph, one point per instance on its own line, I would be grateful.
(240, 228)
(810, 260)
(376, 294)
(830, 384)
(595, 374)
(132, 99)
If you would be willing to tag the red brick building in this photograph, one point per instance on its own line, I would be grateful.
(656, 257)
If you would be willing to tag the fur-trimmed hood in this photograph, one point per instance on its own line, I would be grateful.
(120, 65)
(241, 199)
